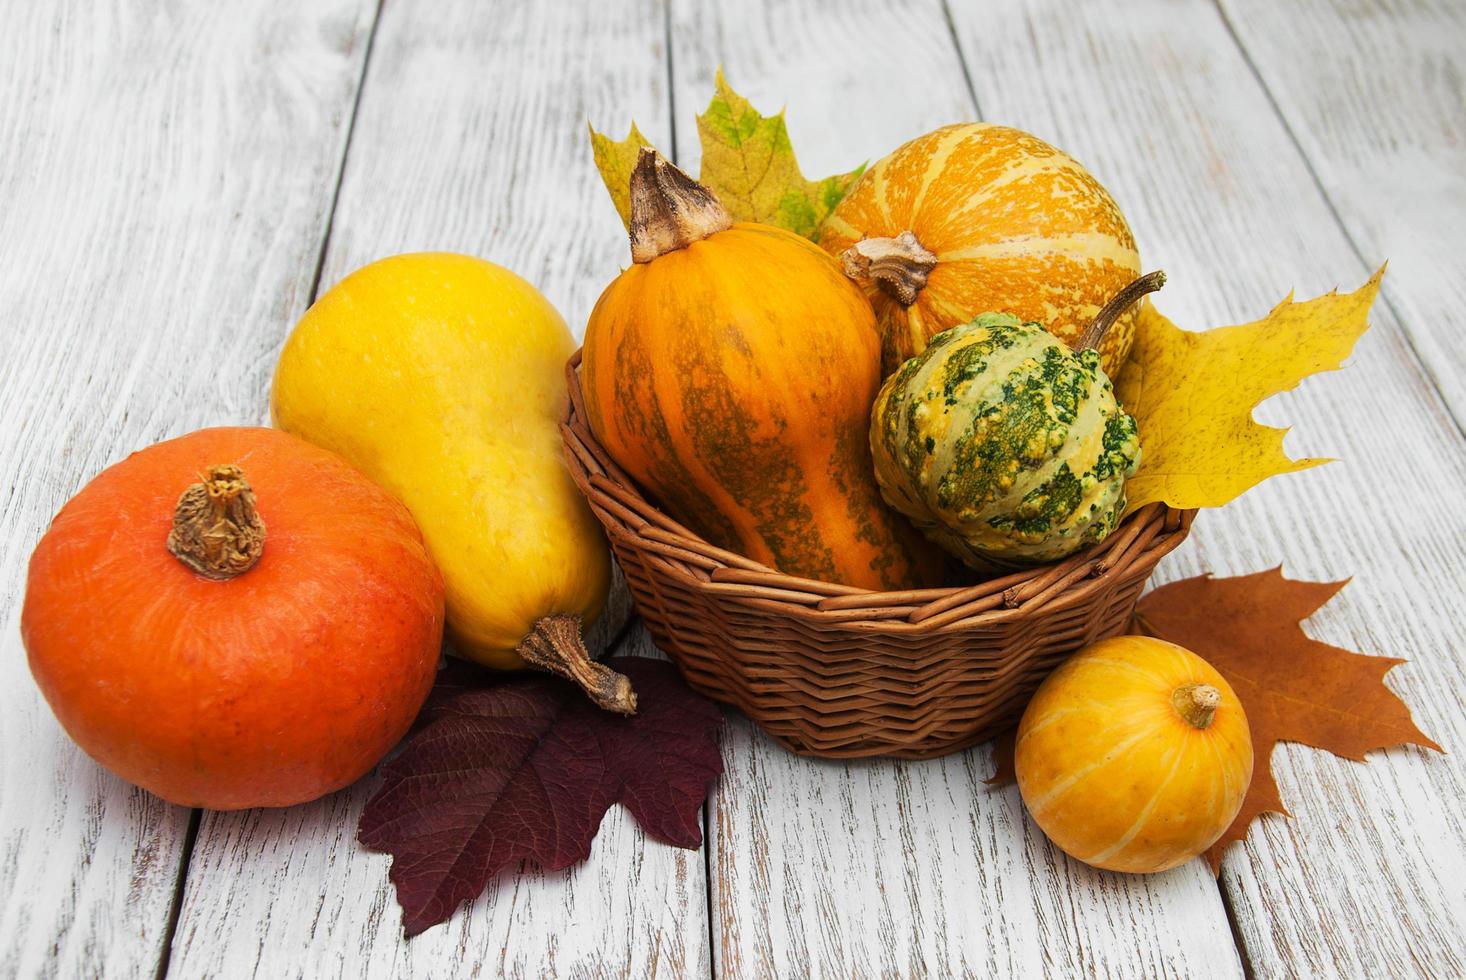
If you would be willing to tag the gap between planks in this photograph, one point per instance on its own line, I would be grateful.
(1431, 379)
(195, 818)
(899, 917)
(707, 810)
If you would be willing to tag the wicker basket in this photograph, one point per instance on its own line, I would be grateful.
(840, 672)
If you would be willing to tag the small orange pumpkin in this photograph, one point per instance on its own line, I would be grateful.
(1134, 755)
(233, 618)
(977, 218)
(731, 372)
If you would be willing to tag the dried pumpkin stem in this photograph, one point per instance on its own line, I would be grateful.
(899, 266)
(1197, 703)
(669, 210)
(216, 530)
(1115, 308)
(555, 645)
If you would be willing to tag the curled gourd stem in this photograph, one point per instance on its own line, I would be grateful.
(1116, 307)
(216, 530)
(555, 645)
(1197, 703)
(899, 266)
(669, 210)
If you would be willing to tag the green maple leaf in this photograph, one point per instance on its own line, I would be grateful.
(747, 161)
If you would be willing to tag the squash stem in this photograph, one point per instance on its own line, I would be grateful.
(669, 210)
(1197, 703)
(898, 266)
(217, 531)
(555, 645)
(1115, 308)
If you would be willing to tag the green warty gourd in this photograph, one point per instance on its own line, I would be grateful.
(1004, 446)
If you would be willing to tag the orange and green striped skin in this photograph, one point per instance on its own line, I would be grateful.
(1017, 226)
(1114, 774)
(733, 380)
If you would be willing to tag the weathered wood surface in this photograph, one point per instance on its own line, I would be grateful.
(470, 137)
(1372, 93)
(165, 175)
(159, 223)
(1369, 877)
(898, 868)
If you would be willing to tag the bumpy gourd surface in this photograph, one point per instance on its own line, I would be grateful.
(1002, 444)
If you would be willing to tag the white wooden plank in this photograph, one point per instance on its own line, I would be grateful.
(166, 171)
(470, 137)
(879, 867)
(290, 893)
(1372, 92)
(1369, 877)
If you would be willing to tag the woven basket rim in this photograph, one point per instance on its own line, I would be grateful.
(625, 513)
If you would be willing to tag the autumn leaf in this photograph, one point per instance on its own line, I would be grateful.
(615, 159)
(1293, 688)
(525, 769)
(1192, 395)
(747, 160)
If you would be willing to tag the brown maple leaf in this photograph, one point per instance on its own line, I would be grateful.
(1293, 688)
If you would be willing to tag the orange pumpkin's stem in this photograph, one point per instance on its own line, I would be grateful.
(1197, 703)
(1116, 308)
(669, 210)
(899, 266)
(555, 645)
(216, 530)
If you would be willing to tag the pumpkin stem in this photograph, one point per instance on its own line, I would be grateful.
(1197, 703)
(1116, 308)
(899, 266)
(669, 210)
(555, 645)
(216, 530)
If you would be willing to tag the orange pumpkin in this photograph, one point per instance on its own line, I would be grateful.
(233, 618)
(731, 371)
(1134, 755)
(977, 218)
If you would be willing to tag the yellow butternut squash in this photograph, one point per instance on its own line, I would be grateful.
(441, 376)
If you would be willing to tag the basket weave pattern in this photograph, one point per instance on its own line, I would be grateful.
(841, 672)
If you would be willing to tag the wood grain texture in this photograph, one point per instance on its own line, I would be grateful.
(470, 137)
(1373, 94)
(166, 170)
(1369, 877)
(164, 220)
(884, 868)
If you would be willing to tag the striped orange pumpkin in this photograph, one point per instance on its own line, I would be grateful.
(731, 371)
(977, 218)
(1134, 755)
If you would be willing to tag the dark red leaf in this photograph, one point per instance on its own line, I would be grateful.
(526, 769)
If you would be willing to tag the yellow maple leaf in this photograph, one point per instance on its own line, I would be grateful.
(1192, 395)
(747, 160)
(615, 160)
